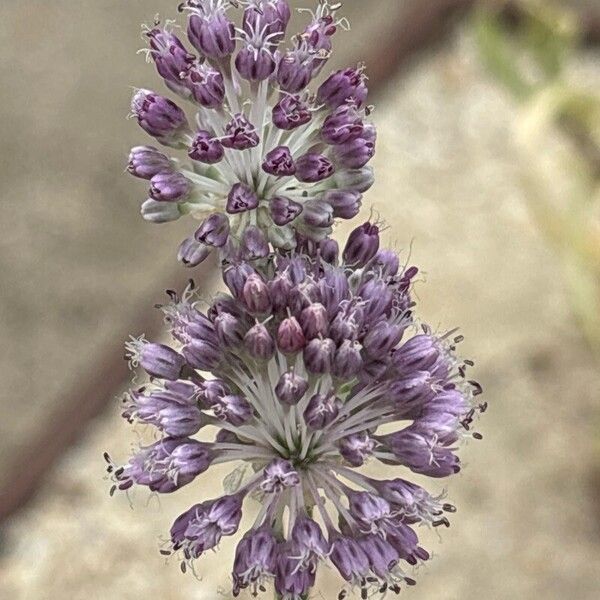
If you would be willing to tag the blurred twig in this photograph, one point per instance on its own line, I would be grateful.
(528, 45)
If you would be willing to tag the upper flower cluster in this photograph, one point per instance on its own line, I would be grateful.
(262, 149)
(297, 371)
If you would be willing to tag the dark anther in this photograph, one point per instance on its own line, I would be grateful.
(363, 594)
(449, 508)
(262, 588)
(395, 588)
(461, 371)
(371, 579)
(342, 595)
(483, 407)
(112, 491)
(183, 567)
(119, 472)
(410, 581)
(443, 521)
(383, 588)
(172, 294)
(109, 469)
(181, 7)
(165, 552)
(478, 389)
(192, 284)
(477, 436)
(468, 362)
(106, 456)
(458, 339)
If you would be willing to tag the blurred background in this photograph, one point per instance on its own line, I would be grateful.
(488, 170)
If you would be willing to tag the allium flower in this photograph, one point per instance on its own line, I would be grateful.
(262, 149)
(295, 373)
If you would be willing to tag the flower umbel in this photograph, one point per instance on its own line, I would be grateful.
(296, 372)
(261, 150)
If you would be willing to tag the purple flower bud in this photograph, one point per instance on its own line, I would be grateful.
(254, 244)
(418, 354)
(295, 70)
(170, 56)
(206, 86)
(322, 410)
(201, 527)
(279, 289)
(255, 559)
(449, 401)
(414, 502)
(318, 213)
(159, 117)
(212, 391)
(290, 338)
(279, 162)
(349, 559)
(381, 338)
(293, 580)
(192, 253)
(210, 31)
(406, 543)
(422, 452)
(213, 231)
(345, 203)
(342, 86)
(362, 245)
(240, 134)
(206, 148)
(347, 324)
(314, 321)
(160, 212)
(313, 167)
(255, 62)
(410, 393)
(318, 36)
(229, 329)
(173, 410)
(166, 465)
(170, 187)
(202, 354)
(318, 355)
(308, 538)
(333, 289)
(241, 198)
(329, 251)
(383, 557)
(235, 277)
(158, 360)
(387, 262)
(360, 180)
(146, 161)
(370, 510)
(378, 299)
(343, 125)
(354, 154)
(283, 210)
(259, 343)
(347, 361)
(357, 448)
(291, 388)
(278, 475)
(270, 16)
(256, 295)
(233, 409)
(291, 112)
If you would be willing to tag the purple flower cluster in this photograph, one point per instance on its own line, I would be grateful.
(294, 373)
(262, 150)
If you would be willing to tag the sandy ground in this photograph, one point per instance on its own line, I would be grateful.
(449, 185)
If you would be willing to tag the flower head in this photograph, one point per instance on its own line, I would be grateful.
(297, 371)
(261, 148)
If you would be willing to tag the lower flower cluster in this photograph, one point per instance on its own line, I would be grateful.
(313, 365)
